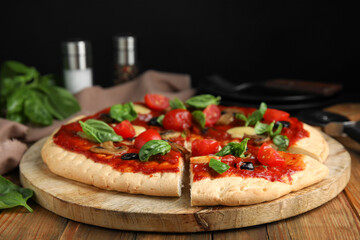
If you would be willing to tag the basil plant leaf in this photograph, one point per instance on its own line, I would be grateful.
(121, 112)
(160, 119)
(12, 195)
(261, 128)
(35, 110)
(281, 141)
(199, 117)
(177, 104)
(153, 147)
(202, 101)
(99, 131)
(218, 166)
(234, 148)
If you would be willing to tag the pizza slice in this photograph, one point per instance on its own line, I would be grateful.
(243, 177)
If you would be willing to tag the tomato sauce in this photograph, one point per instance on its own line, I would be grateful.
(68, 139)
(294, 163)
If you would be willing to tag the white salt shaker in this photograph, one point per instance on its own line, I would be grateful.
(77, 65)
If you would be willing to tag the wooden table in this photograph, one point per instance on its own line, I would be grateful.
(337, 219)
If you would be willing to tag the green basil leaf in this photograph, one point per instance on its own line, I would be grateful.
(12, 195)
(177, 104)
(160, 119)
(153, 147)
(254, 117)
(234, 148)
(281, 141)
(218, 166)
(261, 128)
(99, 131)
(15, 104)
(202, 101)
(35, 110)
(199, 117)
(121, 112)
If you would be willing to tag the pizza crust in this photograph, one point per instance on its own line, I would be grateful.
(79, 168)
(314, 146)
(234, 191)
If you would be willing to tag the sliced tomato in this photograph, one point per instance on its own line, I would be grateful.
(269, 156)
(156, 101)
(201, 147)
(125, 129)
(177, 119)
(212, 115)
(275, 115)
(146, 136)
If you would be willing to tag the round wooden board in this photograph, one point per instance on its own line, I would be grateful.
(124, 211)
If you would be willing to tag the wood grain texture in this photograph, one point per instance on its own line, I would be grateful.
(110, 209)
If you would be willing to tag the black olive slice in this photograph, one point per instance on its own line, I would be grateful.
(153, 122)
(130, 156)
(247, 166)
(285, 124)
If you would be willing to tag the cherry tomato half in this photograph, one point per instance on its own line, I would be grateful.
(125, 129)
(156, 101)
(201, 147)
(212, 115)
(269, 156)
(146, 136)
(275, 115)
(177, 119)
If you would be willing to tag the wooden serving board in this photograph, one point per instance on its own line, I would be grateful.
(124, 211)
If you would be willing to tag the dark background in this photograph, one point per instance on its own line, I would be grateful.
(240, 40)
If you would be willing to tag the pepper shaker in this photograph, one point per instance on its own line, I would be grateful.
(125, 58)
(77, 65)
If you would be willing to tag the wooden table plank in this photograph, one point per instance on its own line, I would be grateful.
(248, 233)
(18, 223)
(334, 220)
(352, 190)
(75, 230)
(171, 236)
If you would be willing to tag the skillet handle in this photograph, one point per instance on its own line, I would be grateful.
(353, 131)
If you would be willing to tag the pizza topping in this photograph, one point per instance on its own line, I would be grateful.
(125, 129)
(269, 156)
(98, 131)
(146, 136)
(202, 101)
(275, 115)
(155, 121)
(170, 134)
(218, 166)
(121, 112)
(140, 109)
(177, 104)
(153, 147)
(178, 148)
(177, 119)
(108, 148)
(239, 132)
(234, 148)
(199, 117)
(212, 115)
(156, 101)
(130, 156)
(201, 147)
(138, 130)
(225, 119)
(247, 166)
(285, 124)
(254, 117)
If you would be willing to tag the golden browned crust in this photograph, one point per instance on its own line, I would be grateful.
(79, 168)
(233, 191)
(314, 146)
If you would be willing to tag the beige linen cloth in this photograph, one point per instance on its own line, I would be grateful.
(15, 137)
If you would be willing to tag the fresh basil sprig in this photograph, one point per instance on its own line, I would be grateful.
(153, 147)
(234, 148)
(98, 131)
(177, 104)
(199, 117)
(12, 195)
(26, 96)
(202, 101)
(254, 117)
(218, 166)
(281, 141)
(121, 112)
